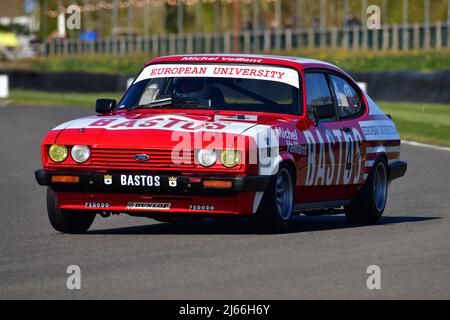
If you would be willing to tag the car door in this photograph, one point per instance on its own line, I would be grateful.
(334, 168)
(350, 106)
(322, 166)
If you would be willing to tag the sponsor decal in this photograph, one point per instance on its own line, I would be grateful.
(279, 74)
(96, 205)
(287, 134)
(334, 157)
(162, 122)
(292, 140)
(201, 207)
(147, 205)
(238, 117)
(379, 130)
(139, 180)
(107, 179)
(173, 181)
(297, 149)
(221, 59)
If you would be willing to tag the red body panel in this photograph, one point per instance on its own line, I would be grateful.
(330, 164)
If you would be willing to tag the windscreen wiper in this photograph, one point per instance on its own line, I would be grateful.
(166, 102)
(161, 103)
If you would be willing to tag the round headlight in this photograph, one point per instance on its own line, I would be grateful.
(80, 153)
(230, 158)
(207, 157)
(58, 153)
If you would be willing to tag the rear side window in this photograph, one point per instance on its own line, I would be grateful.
(349, 103)
(318, 96)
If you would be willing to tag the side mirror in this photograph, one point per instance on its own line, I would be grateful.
(105, 105)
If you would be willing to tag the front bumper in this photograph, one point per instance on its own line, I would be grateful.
(90, 182)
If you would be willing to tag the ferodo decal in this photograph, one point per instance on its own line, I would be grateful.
(279, 74)
(201, 207)
(96, 205)
(334, 157)
(147, 206)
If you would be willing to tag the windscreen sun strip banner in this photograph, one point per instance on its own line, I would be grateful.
(279, 74)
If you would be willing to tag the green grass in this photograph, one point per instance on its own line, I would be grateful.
(428, 123)
(348, 60)
(42, 98)
(422, 122)
(424, 61)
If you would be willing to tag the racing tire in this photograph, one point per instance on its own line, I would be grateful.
(276, 208)
(65, 221)
(369, 204)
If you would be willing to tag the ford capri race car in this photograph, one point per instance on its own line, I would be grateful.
(198, 136)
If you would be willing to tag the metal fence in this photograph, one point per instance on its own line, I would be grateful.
(392, 37)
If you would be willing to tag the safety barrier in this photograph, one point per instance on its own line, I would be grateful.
(391, 37)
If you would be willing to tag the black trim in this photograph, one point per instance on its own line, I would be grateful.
(397, 170)
(351, 82)
(325, 75)
(93, 182)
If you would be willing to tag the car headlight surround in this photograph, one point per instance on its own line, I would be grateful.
(207, 157)
(58, 153)
(80, 154)
(230, 158)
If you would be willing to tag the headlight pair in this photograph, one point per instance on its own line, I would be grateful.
(59, 153)
(229, 158)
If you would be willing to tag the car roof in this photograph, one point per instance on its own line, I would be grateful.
(298, 62)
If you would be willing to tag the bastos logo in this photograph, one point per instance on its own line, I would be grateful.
(348, 149)
(162, 123)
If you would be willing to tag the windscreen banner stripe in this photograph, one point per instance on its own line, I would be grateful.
(278, 74)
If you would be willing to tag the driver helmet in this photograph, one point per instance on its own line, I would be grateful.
(193, 88)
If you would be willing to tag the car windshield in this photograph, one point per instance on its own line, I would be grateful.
(219, 87)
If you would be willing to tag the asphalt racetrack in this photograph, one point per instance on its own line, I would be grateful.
(126, 257)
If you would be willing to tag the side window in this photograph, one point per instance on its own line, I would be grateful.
(319, 102)
(349, 102)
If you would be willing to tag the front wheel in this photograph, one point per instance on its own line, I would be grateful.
(275, 211)
(64, 221)
(370, 202)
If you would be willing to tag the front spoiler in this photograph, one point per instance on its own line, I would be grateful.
(90, 182)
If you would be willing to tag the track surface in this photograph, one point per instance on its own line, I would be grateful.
(125, 257)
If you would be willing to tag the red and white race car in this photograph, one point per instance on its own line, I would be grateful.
(254, 136)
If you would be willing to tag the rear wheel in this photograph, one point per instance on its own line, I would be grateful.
(369, 204)
(275, 211)
(65, 221)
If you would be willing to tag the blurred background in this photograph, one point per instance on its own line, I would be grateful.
(398, 49)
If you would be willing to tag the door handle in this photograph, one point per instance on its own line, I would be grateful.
(347, 129)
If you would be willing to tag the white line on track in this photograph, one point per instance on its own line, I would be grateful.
(424, 145)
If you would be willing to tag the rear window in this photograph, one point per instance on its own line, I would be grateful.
(221, 87)
(348, 101)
